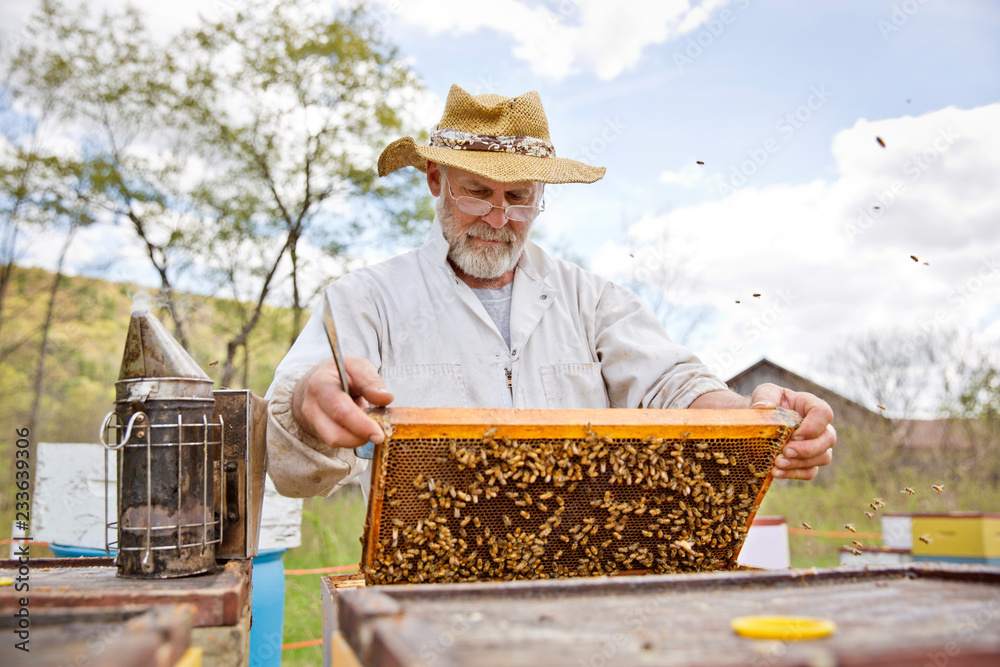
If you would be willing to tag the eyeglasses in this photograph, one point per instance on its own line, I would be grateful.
(480, 207)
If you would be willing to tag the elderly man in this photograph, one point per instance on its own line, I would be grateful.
(480, 317)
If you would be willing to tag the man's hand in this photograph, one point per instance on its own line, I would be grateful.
(321, 407)
(812, 444)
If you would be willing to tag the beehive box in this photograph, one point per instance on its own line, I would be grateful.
(474, 495)
(917, 614)
(958, 534)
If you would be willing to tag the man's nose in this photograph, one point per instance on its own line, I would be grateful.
(496, 218)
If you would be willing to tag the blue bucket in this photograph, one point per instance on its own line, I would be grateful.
(67, 551)
(268, 608)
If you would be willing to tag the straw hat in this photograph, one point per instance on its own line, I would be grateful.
(505, 139)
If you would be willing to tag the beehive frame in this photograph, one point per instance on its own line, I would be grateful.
(487, 495)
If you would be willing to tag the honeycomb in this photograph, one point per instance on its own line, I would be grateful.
(497, 507)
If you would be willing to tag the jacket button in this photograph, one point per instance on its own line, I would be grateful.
(544, 297)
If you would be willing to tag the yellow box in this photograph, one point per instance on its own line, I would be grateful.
(968, 534)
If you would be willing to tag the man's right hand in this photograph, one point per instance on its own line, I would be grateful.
(321, 407)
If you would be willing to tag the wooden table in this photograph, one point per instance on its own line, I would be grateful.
(73, 589)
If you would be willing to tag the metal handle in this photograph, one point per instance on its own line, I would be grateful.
(140, 416)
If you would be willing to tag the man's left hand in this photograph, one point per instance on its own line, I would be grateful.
(812, 444)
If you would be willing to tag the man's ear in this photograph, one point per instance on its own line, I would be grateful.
(434, 178)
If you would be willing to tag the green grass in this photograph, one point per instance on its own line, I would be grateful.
(331, 528)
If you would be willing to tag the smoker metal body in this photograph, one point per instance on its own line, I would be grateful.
(190, 462)
(167, 452)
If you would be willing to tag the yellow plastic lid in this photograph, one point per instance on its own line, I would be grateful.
(6, 581)
(785, 628)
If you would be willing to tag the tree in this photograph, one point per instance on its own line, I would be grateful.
(904, 373)
(108, 85)
(288, 110)
(240, 153)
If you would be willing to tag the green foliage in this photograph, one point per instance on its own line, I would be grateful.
(330, 531)
(874, 463)
(226, 148)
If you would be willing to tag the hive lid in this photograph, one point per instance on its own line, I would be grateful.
(151, 352)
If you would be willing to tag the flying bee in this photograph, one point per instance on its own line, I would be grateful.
(806, 526)
(855, 551)
(869, 515)
(926, 539)
(874, 508)
(936, 487)
(908, 490)
(857, 544)
(850, 527)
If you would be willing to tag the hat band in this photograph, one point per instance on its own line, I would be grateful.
(467, 141)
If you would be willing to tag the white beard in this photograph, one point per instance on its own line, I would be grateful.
(485, 263)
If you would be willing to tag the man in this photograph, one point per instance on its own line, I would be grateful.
(480, 317)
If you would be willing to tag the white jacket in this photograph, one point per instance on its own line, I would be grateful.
(577, 341)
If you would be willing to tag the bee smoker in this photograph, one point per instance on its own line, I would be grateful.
(169, 447)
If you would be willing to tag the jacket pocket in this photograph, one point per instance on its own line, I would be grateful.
(426, 386)
(574, 385)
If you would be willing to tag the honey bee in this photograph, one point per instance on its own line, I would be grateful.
(806, 526)
(908, 490)
(850, 527)
(936, 487)
(395, 503)
(855, 551)
(525, 515)
(869, 515)
(857, 544)
(685, 546)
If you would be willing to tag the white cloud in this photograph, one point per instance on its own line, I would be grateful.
(827, 263)
(686, 177)
(567, 37)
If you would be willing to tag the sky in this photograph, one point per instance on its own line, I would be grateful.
(742, 145)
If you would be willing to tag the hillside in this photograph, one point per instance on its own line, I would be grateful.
(85, 348)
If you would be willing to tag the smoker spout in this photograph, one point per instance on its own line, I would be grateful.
(151, 352)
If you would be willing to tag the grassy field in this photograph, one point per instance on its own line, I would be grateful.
(331, 528)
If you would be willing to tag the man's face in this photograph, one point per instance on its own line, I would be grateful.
(486, 246)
